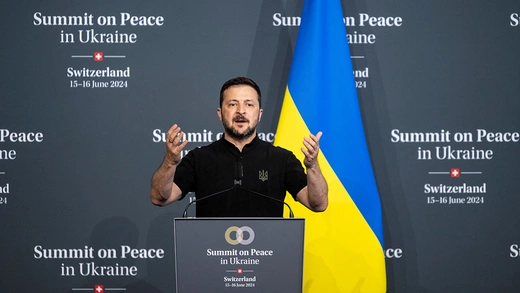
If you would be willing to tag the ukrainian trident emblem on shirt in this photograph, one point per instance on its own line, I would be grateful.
(262, 175)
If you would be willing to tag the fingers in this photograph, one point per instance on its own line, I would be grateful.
(312, 143)
(174, 146)
(318, 136)
(312, 148)
(174, 133)
(175, 136)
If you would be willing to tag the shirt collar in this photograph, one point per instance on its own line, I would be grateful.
(228, 145)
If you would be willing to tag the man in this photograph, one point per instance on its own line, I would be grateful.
(241, 175)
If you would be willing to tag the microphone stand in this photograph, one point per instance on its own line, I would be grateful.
(185, 213)
(238, 182)
(291, 214)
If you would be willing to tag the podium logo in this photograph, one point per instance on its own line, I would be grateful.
(239, 235)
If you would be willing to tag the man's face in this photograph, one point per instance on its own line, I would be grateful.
(240, 111)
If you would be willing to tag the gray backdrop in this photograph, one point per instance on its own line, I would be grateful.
(83, 181)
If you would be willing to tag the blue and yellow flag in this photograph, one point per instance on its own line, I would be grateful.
(343, 245)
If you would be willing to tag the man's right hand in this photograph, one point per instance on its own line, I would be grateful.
(173, 146)
(164, 191)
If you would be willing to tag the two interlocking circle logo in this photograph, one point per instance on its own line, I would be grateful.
(244, 235)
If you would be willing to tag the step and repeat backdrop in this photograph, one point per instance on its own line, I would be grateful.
(88, 90)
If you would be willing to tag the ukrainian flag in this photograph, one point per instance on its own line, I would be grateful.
(344, 244)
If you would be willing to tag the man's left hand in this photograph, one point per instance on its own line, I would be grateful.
(311, 150)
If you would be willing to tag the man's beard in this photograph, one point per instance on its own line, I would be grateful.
(234, 133)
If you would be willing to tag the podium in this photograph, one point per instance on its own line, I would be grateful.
(238, 254)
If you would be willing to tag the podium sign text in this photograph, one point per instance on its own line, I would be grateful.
(239, 255)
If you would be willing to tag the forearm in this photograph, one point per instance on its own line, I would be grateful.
(317, 189)
(164, 191)
(315, 195)
(162, 184)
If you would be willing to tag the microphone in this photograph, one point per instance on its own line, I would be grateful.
(238, 182)
(291, 215)
(185, 214)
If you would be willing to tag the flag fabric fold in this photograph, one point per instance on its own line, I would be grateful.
(344, 244)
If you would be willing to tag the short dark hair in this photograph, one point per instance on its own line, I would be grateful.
(240, 81)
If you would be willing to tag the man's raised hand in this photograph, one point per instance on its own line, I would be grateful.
(311, 149)
(173, 148)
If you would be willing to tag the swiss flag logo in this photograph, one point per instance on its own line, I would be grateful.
(98, 56)
(239, 271)
(455, 173)
(99, 289)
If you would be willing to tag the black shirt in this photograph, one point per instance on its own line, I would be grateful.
(260, 167)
